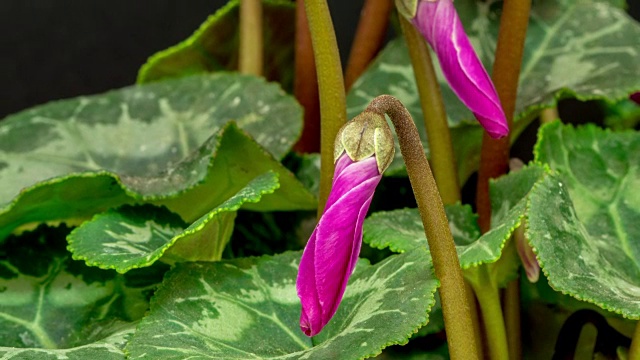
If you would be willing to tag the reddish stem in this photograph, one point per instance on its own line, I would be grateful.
(494, 156)
(305, 86)
(372, 27)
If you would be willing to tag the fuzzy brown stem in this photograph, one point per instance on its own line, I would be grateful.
(457, 316)
(494, 156)
(372, 27)
(305, 85)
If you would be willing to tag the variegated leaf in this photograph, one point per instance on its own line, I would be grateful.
(248, 309)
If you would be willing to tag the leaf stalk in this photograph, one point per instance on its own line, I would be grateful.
(251, 48)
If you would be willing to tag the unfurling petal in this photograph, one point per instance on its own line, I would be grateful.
(439, 23)
(332, 251)
(527, 256)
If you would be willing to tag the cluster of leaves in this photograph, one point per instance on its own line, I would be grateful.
(116, 215)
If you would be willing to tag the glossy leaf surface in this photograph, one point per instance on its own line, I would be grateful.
(248, 309)
(152, 143)
(583, 221)
(52, 306)
(136, 236)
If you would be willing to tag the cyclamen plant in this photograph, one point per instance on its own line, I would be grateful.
(173, 220)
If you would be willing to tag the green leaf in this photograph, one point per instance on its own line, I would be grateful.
(145, 143)
(214, 46)
(401, 230)
(52, 302)
(109, 348)
(137, 236)
(248, 309)
(583, 221)
(586, 49)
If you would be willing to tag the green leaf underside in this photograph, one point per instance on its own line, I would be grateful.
(202, 180)
(136, 236)
(214, 46)
(586, 48)
(583, 222)
(52, 302)
(401, 230)
(248, 309)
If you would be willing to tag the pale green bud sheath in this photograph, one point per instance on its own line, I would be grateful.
(407, 8)
(366, 135)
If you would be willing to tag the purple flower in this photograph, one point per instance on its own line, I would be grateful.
(438, 22)
(635, 97)
(364, 149)
(332, 251)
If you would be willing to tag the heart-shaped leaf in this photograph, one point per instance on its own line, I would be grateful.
(136, 236)
(583, 221)
(52, 302)
(248, 309)
(401, 230)
(214, 46)
(145, 143)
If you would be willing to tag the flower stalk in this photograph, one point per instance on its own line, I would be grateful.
(251, 49)
(457, 317)
(333, 106)
(435, 116)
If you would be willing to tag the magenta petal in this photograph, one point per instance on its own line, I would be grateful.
(440, 25)
(332, 251)
(635, 97)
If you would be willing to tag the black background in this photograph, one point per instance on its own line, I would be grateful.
(54, 49)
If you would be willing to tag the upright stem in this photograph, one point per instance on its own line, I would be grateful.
(305, 84)
(457, 317)
(251, 37)
(494, 156)
(512, 318)
(333, 105)
(548, 115)
(489, 299)
(435, 115)
(475, 317)
(370, 33)
(634, 350)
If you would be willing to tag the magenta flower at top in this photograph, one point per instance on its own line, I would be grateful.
(364, 149)
(438, 22)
